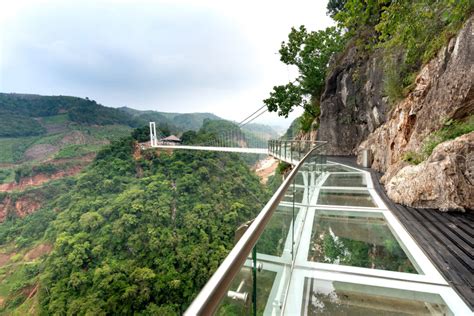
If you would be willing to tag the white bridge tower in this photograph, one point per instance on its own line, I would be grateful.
(153, 139)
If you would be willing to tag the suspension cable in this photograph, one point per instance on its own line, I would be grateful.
(251, 115)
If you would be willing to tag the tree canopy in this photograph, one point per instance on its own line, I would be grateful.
(310, 52)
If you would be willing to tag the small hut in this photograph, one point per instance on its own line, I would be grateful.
(171, 140)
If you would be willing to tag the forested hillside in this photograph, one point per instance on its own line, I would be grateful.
(19, 113)
(134, 234)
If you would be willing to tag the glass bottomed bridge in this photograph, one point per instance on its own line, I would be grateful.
(325, 243)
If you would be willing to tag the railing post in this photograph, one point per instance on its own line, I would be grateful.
(291, 151)
(299, 150)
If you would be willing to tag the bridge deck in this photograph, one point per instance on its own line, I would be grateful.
(447, 238)
(263, 151)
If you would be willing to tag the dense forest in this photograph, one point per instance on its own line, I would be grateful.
(136, 233)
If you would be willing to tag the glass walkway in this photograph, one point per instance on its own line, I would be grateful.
(328, 245)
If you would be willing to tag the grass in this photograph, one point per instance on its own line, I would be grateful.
(108, 132)
(6, 175)
(72, 151)
(55, 119)
(29, 307)
(451, 130)
(15, 276)
(12, 150)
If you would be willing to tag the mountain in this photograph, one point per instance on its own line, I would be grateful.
(134, 233)
(263, 131)
(178, 121)
(20, 114)
(46, 138)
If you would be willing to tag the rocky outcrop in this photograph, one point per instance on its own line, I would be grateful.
(444, 181)
(352, 104)
(20, 207)
(444, 90)
(39, 179)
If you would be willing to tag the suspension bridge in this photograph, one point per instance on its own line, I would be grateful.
(235, 139)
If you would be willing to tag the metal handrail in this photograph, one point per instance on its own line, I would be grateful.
(215, 289)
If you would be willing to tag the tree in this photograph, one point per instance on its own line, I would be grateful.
(334, 6)
(310, 52)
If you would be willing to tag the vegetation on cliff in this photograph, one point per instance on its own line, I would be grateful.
(407, 33)
(137, 236)
(450, 130)
(310, 52)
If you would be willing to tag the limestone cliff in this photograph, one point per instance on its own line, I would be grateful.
(355, 115)
(352, 104)
(444, 90)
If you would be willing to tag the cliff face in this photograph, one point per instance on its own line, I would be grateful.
(352, 104)
(355, 116)
(444, 90)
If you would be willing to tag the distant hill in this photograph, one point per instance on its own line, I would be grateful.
(263, 131)
(20, 113)
(35, 128)
(175, 121)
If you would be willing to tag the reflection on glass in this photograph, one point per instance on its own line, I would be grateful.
(297, 193)
(356, 240)
(345, 180)
(323, 297)
(299, 178)
(345, 198)
(336, 168)
(238, 300)
(272, 241)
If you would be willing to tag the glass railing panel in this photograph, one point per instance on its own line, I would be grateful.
(360, 239)
(322, 297)
(238, 298)
(249, 291)
(299, 179)
(345, 198)
(295, 194)
(261, 286)
(276, 239)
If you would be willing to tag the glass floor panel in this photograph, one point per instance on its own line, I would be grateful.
(359, 239)
(336, 168)
(323, 297)
(346, 180)
(272, 241)
(345, 198)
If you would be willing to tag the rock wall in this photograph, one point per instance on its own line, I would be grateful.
(352, 104)
(444, 90)
(444, 181)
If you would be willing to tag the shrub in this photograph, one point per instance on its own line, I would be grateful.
(451, 130)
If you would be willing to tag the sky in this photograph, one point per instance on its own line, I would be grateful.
(163, 55)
